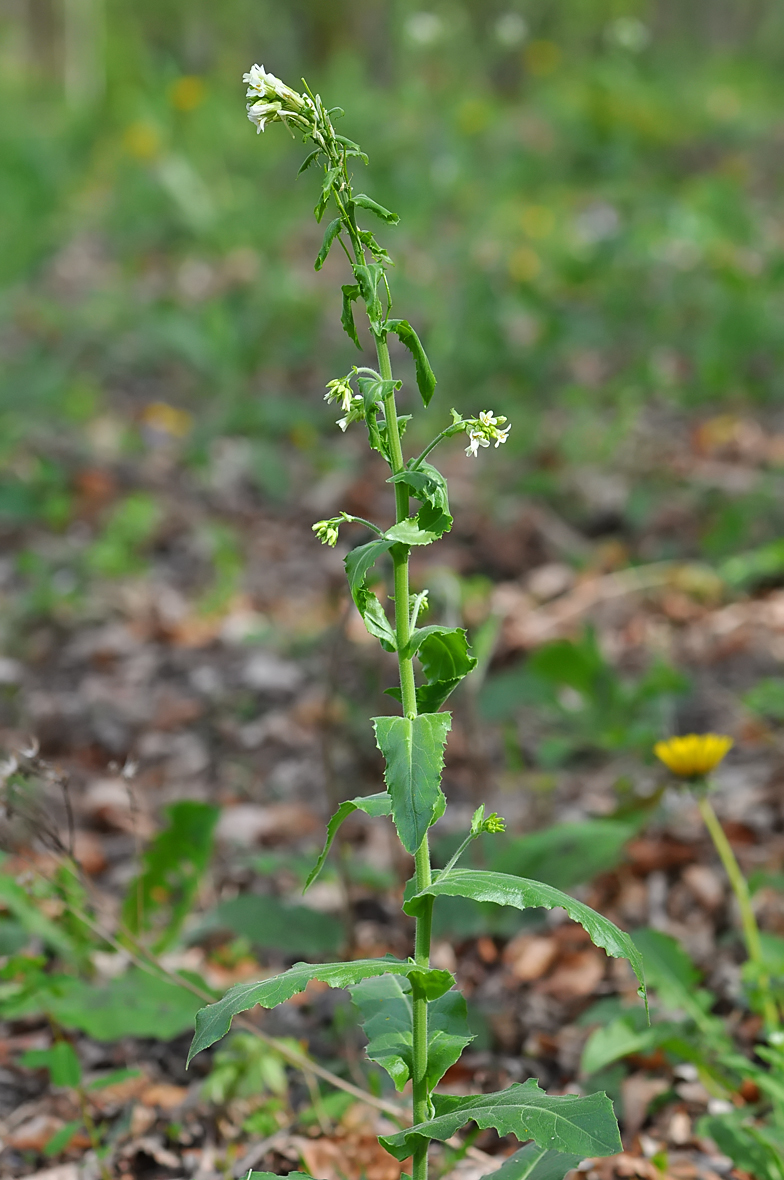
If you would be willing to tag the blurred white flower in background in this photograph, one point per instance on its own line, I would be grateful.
(424, 28)
(628, 32)
(510, 30)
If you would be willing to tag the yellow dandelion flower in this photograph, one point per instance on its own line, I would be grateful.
(694, 755)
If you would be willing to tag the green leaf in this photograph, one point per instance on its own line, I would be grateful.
(330, 233)
(385, 1008)
(134, 1005)
(374, 390)
(330, 177)
(426, 526)
(736, 1136)
(113, 1079)
(503, 889)
(17, 900)
(214, 1022)
(162, 897)
(672, 975)
(426, 378)
(749, 569)
(379, 253)
(445, 659)
(618, 1039)
(309, 159)
(272, 924)
(61, 1061)
(535, 1163)
(364, 202)
(567, 1123)
(350, 294)
(358, 564)
(426, 483)
(62, 1138)
(275, 1176)
(443, 652)
(375, 805)
(368, 277)
(413, 750)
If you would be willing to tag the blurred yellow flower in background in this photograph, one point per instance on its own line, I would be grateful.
(142, 140)
(187, 93)
(165, 419)
(695, 754)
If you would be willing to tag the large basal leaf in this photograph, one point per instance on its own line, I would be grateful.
(384, 1005)
(214, 1022)
(535, 1163)
(413, 750)
(160, 899)
(425, 377)
(564, 1122)
(503, 889)
(375, 805)
(358, 563)
(270, 923)
(134, 1005)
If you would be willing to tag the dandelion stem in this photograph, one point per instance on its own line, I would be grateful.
(740, 888)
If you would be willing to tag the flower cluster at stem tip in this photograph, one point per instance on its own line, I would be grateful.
(695, 754)
(276, 102)
(485, 429)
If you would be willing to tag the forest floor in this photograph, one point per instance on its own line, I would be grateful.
(258, 702)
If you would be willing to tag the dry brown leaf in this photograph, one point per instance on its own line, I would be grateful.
(35, 1133)
(530, 956)
(164, 1095)
(89, 853)
(117, 1095)
(638, 1090)
(577, 974)
(62, 1172)
(352, 1157)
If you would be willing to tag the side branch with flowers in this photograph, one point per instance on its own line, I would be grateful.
(430, 1020)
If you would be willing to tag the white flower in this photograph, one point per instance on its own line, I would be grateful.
(276, 101)
(475, 441)
(265, 85)
(340, 390)
(487, 428)
(260, 112)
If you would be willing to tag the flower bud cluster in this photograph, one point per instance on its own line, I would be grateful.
(274, 101)
(485, 429)
(493, 824)
(327, 531)
(352, 404)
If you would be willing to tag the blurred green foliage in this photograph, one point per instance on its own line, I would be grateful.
(591, 223)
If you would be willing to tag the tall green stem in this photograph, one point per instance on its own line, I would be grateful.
(740, 888)
(400, 557)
